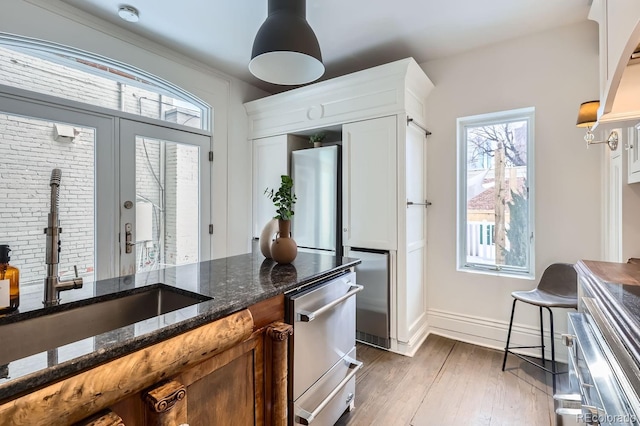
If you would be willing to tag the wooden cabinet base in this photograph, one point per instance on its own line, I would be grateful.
(84, 394)
(230, 372)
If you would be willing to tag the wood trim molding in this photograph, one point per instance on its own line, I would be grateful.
(79, 396)
(167, 404)
(278, 334)
(103, 418)
(389, 89)
(165, 396)
(267, 312)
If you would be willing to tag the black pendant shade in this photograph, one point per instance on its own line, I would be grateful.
(285, 50)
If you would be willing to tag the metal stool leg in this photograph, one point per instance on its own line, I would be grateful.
(542, 337)
(553, 351)
(506, 348)
(553, 347)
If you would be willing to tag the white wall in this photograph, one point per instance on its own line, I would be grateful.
(554, 72)
(56, 21)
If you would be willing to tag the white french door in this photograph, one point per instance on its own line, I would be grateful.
(35, 138)
(164, 208)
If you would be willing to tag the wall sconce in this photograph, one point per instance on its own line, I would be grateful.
(587, 117)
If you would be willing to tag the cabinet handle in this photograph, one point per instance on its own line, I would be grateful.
(306, 316)
(425, 204)
(567, 340)
(305, 417)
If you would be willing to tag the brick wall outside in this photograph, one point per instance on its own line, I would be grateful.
(33, 73)
(28, 153)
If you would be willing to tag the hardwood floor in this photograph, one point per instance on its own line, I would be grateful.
(449, 383)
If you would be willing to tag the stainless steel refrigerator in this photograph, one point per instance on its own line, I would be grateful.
(317, 181)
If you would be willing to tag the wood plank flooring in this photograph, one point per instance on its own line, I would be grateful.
(449, 383)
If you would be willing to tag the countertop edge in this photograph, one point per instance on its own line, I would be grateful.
(41, 378)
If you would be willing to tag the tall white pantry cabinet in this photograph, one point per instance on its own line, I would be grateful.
(381, 115)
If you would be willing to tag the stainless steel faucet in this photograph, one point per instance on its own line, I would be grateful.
(52, 284)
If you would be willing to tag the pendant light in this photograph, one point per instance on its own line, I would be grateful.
(285, 50)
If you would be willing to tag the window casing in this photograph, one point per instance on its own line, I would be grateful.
(45, 86)
(495, 208)
(69, 73)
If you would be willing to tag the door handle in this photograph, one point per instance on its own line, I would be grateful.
(306, 316)
(128, 245)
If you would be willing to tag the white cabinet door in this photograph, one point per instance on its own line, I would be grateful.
(633, 171)
(412, 293)
(370, 184)
(269, 163)
(618, 22)
(271, 160)
(613, 212)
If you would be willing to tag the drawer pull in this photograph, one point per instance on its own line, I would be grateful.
(306, 316)
(305, 418)
(567, 340)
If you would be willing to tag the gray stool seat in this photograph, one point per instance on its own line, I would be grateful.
(542, 298)
(558, 288)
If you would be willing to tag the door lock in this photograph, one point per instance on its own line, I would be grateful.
(128, 245)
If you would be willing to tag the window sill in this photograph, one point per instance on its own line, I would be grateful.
(496, 273)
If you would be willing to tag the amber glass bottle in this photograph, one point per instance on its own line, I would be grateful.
(9, 282)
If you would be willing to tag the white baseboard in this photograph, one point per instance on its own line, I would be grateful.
(410, 348)
(491, 333)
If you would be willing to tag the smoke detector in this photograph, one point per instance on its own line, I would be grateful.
(128, 13)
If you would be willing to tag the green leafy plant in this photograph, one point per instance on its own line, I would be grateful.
(317, 137)
(283, 199)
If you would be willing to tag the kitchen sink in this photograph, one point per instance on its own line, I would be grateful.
(34, 335)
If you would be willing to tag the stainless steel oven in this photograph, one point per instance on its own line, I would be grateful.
(598, 390)
(322, 353)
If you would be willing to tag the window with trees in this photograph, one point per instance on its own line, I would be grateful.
(495, 193)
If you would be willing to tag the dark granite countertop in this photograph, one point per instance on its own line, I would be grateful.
(616, 288)
(233, 283)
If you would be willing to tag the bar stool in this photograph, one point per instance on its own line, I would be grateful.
(557, 289)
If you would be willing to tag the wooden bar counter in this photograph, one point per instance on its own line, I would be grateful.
(220, 361)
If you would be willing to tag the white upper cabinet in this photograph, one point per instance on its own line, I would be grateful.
(619, 36)
(369, 184)
(633, 173)
(400, 87)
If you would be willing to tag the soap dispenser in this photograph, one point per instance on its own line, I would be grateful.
(9, 282)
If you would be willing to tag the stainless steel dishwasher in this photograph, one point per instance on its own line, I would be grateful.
(322, 351)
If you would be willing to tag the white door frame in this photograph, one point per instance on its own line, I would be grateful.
(106, 219)
(107, 125)
(128, 130)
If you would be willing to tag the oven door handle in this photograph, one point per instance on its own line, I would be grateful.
(306, 316)
(305, 418)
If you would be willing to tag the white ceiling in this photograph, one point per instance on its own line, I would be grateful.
(353, 34)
